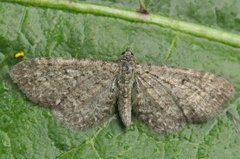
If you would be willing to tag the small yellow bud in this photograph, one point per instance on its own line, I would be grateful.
(19, 54)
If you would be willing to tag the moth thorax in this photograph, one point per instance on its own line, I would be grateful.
(126, 69)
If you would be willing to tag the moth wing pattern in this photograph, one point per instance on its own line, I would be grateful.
(81, 93)
(167, 98)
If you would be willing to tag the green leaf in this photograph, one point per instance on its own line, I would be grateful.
(175, 33)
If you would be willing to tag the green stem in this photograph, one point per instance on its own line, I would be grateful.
(190, 28)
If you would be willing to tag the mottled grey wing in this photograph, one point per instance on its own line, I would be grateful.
(168, 98)
(80, 92)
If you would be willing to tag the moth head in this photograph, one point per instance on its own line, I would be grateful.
(127, 55)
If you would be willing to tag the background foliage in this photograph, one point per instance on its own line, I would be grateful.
(28, 131)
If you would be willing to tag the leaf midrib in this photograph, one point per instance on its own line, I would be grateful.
(185, 27)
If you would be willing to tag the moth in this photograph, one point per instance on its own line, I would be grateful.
(82, 92)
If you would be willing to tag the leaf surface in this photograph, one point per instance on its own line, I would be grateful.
(43, 28)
